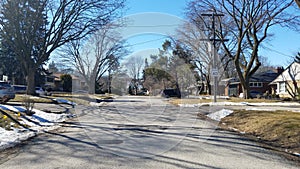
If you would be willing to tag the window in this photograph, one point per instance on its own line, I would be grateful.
(256, 84)
(282, 87)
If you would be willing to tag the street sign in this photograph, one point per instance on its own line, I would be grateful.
(215, 72)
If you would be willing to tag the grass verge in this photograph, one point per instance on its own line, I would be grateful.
(280, 129)
(9, 120)
(77, 98)
(21, 97)
(232, 99)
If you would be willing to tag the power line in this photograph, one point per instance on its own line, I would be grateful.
(153, 40)
(151, 26)
(276, 51)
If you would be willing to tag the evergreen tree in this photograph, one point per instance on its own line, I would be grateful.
(66, 81)
(297, 58)
(23, 33)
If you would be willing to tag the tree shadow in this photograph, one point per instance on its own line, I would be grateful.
(73, 145)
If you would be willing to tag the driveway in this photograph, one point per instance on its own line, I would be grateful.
(140, 132)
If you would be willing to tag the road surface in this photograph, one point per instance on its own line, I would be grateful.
(140, 132)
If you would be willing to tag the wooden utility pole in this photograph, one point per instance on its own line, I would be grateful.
(215, 71)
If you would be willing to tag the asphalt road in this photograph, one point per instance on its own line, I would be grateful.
(140, 132)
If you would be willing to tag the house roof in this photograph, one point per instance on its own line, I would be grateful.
(290, 73)
(267, 76)
(57, 76)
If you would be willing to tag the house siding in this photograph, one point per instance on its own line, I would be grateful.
(288, 76)
(285, 93)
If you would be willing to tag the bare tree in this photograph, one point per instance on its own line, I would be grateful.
(298, 2)
(62, 21)
(246, 24)
(134, 66)
(194, 38)
(292, 88)
(100, 54)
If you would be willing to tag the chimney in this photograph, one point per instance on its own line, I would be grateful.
(280, 70)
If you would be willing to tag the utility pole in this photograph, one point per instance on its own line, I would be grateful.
(215, 71)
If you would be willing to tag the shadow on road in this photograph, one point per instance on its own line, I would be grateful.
(96, 143)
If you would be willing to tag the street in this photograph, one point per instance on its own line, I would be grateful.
(140, 132)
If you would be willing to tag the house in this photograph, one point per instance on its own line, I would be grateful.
(53, 81)
(117, 84)
(259, 83)
(288, 82)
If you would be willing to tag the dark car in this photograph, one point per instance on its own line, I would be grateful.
(255, 94)
(171, 93)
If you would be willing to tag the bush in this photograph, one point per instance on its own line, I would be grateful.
(28, 103)
(66, 81)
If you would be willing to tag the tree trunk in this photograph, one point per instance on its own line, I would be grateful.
(31, 82)
(298, 2)
(92, 83)
(207, 78)
(209, 88)
(91, 86)
(245, 87)
(109, 81)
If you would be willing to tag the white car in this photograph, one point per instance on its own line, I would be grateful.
(6, 92)
(40, 91)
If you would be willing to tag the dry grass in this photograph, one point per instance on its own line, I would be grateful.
(280, 128)
(233, 99)
(77, 98)
(189, 101)
(21, 97)
(7, 120)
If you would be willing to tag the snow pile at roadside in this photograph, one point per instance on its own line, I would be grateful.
(11, 138)
(38, 122)
(220, 114)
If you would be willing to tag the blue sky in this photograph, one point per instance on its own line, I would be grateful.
(282, 46)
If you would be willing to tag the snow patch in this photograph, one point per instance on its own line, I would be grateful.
(40, 121)
(220, 114)
(96, 104)
(63, 101)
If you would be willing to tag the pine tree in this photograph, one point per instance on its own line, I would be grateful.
(23, 32)
(297, 58)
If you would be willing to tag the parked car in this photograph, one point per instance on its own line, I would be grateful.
(171, 93)
(40, 91)
(255, 94)
(6, 92)
(20, 89)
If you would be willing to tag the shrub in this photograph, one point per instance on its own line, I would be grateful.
(28, 103)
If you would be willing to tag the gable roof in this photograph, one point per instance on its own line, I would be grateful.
(290, 73)
(267, 76)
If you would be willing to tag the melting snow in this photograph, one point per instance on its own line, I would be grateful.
(38, 122)
(220, 114)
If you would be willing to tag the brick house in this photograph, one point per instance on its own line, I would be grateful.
(259, 83)
(53, 81)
